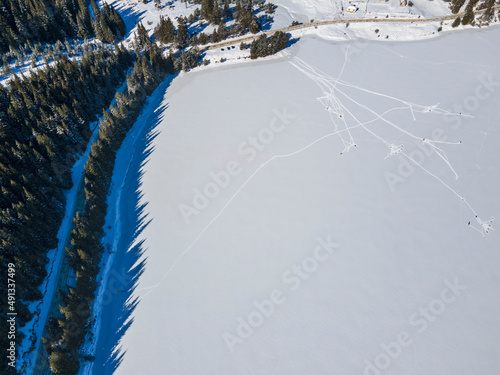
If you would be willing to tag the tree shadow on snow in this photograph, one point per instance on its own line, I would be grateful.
(119, 301)
(292, 41)
(266, 25)
(131, 16)
(197, 28)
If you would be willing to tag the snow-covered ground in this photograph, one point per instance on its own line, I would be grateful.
(134, 11)
(288, 11)
(322, 10)
(305, 11)
(264, 231)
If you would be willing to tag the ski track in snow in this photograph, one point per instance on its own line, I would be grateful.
(179, 258)
(337, 111)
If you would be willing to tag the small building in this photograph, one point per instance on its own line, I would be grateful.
(352, 8)
(403, 3)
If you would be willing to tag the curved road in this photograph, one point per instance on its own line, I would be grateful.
(333, 22)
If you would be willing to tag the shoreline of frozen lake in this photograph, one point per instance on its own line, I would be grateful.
(403, 235)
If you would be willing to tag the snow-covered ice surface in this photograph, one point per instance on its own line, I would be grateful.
(369, 259)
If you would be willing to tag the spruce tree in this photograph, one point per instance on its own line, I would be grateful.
(468, 17)
(203, 38)
(227, 10)
(457, 4)
(84, 20)
(222, 31)
(208, 8)
(165, 31)
(143, 37)
(182, 37)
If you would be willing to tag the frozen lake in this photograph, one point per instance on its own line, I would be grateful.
(275, 233)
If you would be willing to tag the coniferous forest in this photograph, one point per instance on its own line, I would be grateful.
(264, 46)
(216, 13)
(44, 123)
(46, 120)
(32, 21)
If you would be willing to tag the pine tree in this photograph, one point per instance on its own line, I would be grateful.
(468, 17)
(103, 31)
(207, 10)
(184, 60)
(64, 362)
(182, 37)
(457, 4)
(114, 21)
(84, 20)
(203, 38)
(95, 8)
(165, 31)
(222, 31)
(227, 10)
(237, 10)
(108, 24)
(215, 37)
(6, 66)
(143, 37)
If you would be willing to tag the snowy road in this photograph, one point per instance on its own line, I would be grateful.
(309, 25)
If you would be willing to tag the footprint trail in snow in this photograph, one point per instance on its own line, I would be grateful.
(341, 116)
(343, 120)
